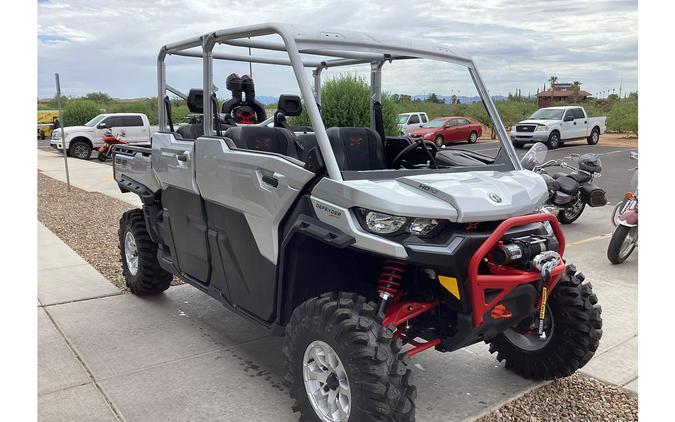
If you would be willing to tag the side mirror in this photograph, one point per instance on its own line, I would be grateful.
(568, 118)
(102, 125)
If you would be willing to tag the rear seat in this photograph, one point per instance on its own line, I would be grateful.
(261, 138)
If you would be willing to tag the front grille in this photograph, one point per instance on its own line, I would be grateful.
(525, 128)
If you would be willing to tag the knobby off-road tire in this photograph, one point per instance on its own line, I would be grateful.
(375, 368)
(617, 252)
(577, 328)
(146, 277)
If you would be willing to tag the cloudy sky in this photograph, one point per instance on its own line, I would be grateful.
(111, 46)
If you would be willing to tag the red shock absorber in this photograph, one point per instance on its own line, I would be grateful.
(390, 280)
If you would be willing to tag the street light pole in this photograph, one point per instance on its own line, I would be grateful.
(63, 132)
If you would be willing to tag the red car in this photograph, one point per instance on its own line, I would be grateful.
(443, 130)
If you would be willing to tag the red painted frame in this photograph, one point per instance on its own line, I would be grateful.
(505, 278)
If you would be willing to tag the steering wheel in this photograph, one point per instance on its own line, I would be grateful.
(429, 147)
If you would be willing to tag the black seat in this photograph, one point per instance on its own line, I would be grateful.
(191, 130)
(357, 148)
(568, 185)
(261, 138)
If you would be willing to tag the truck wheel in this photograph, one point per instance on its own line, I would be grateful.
(80, 149)
(343, 365)
(594, 138)
(473, 138)
(439, 141)
(519, 145)
(553, 140)
(573, 327)
(622, 244)
(140, 267)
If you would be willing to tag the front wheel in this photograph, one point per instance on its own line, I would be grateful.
(473, 138)
(140, 267)
(572, 332)
(622, 244)
(553, 140)
(569, 214)
(343, 365)
(439, 141)
(80, 149)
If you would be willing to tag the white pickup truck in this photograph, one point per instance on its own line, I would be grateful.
(407, 122)
(556, 125)
(81, 140)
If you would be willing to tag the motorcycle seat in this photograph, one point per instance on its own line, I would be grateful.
(568, 185)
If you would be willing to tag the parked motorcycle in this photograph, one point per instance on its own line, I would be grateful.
(625, 237)
(568, 193)
(110, 140)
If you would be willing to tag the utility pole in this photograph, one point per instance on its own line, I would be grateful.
(63, 132)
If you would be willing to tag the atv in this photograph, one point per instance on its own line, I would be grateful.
(362, 249)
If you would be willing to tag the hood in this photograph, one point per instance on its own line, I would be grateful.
(424, 131)
(78, 129)
(472, 196)
(538, 121)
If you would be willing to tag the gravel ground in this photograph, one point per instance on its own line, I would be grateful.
(85, 221)
(577, 398)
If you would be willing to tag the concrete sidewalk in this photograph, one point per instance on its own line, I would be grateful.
(86, 175)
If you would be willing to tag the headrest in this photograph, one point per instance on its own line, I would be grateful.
(290, 105)
(195, 100)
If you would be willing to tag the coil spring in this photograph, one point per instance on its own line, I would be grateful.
(390, 278)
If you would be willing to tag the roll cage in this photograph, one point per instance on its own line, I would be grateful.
(319, 50)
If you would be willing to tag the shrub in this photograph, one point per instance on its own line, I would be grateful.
(80, 111)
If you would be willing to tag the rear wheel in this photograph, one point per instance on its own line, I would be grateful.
(553, 140)
(572, 327)
(622, 244)
(140, 267)
(594, 137)
(568, 215)
(80, 149)
(473, 138)
(439, 141)
(343, 365)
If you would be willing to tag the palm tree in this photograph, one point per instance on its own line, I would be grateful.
(552, 80)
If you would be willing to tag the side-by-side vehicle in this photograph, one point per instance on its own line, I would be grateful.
(362, 249)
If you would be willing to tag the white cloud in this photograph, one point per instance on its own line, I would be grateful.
(112, 46)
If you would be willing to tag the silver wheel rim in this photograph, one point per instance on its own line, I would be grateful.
(439, 142)
(554, 140)
(574, 210)
(80, 151)
(326, 382)
(473, 138)
(594, 137)
(628, 243)
(530, 340)
(131, 253)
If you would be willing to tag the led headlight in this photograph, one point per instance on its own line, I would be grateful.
(541, 128)
(381, 223)
(422, 226)
(387, 224)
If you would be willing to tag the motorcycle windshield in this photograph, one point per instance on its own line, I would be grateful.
(534, 157)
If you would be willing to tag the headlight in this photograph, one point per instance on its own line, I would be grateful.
(385, 224)
(56, 134)
(541, 128)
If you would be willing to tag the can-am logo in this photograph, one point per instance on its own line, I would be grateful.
(494, 197)
(331, 211)
(427, 188)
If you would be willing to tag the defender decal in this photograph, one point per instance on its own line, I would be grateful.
(331, 211)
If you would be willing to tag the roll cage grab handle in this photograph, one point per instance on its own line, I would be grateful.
(347, 48)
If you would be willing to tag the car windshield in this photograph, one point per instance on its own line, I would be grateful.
(436, 123)
(94, 121)
(548, 114)
(402, 118)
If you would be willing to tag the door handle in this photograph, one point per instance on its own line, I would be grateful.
(575, 123)
(270, 180)
(184, 157)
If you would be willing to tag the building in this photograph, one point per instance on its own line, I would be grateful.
(560, 92)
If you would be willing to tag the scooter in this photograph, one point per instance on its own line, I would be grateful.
(625, 237)
(568, 193)
(110, 140)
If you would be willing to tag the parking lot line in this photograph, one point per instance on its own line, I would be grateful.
(590, 239)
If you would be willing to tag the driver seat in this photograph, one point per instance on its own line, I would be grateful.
(357, 148)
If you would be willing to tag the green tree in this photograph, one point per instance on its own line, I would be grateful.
(433, 98)
(345, 101)
(99, 97)
(576, 87)
(80, 111)
(552, 80)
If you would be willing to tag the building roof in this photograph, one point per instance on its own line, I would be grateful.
(563, 93)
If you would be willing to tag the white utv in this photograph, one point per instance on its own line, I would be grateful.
(361, 248)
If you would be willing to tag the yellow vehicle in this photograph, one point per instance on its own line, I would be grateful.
(47, 120)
